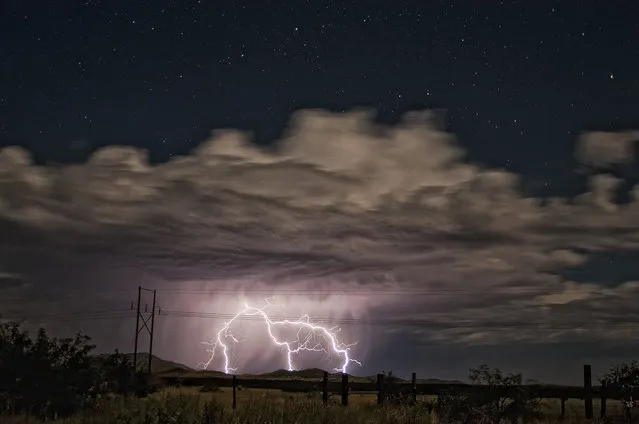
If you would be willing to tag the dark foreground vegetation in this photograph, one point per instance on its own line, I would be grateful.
(44, 378)
(47, 377)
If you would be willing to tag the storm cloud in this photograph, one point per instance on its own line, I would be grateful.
(427, 248)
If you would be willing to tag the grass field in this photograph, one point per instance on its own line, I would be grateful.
(261, 406)
(551, 407)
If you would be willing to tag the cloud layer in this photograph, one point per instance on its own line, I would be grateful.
(339, 203)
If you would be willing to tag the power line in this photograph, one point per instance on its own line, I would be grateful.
(380, 320)
(84, 294)
(362, 292)
(72, 317)
(94, 318)
(400, 323)
(80, 313)
(403, 322)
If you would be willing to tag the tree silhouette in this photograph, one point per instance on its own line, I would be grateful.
(51, 377)
(115, 373)
(625, 377)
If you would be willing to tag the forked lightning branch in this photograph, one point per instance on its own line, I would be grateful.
(308, 337)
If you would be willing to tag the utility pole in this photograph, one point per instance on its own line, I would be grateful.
(137, 331)
(151, 337)
(142, 323)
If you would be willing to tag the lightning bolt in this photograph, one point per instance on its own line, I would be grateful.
(316, 339)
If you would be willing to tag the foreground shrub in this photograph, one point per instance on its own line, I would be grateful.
(492, 404)
(395, 391)
(45, 376)
(48, 377)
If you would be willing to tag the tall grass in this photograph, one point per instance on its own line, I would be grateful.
(201, 409)
(191, 409)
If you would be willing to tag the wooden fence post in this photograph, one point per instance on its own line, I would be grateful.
(604, 385)
(563, 407)
(345, 389)
(588, 391)
(414, 388)
(325, 388)
(234, 391)
(380, 389)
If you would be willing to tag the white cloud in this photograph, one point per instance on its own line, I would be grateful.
(600, 149)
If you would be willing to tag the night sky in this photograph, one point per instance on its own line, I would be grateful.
(471, 166)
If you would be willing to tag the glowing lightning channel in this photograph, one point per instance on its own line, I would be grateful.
(306, 344)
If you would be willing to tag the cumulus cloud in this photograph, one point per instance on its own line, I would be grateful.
(339, 203)
(599, 149)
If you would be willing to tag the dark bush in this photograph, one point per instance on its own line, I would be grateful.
(396, 391)
(503, 399)
(50, 377)
(145, 385)
(45, 376)
(116, 374)
(624, 377)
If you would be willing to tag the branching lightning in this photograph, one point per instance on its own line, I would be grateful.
(309, 338)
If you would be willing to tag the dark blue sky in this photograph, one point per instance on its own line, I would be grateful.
(518, 82)
(609, 268)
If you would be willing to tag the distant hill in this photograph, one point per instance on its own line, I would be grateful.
(301, 374)
(158, 365)
(422, 380)
(162, 366)
(316, 373)
(438, 381)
